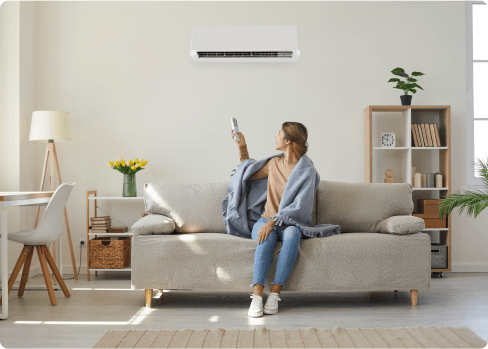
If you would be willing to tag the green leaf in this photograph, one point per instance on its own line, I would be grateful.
(394, 79)
(397, 71)
(413, 90)
(411, 79)
(417, 73)
(415, 85)
(474, 200)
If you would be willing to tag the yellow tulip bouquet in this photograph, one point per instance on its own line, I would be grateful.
(129, 170)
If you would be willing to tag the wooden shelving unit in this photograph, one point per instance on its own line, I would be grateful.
(401, 159)
(94, 235)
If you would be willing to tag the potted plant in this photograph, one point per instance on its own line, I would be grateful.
(474, 201)
(408, 85)
(129, 170)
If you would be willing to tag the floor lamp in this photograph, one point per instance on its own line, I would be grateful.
(52, 126)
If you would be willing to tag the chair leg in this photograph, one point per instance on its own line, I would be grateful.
(25, 270)
(15, 272)
(149, 294)
(55, 270)
(47, 277)
(414, 294)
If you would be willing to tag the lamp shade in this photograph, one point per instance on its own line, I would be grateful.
(46, 125)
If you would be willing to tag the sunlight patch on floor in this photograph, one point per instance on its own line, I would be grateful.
(135, 320)
(214, 318)
(101, 289)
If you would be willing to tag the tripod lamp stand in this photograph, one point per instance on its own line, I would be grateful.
(52, 126)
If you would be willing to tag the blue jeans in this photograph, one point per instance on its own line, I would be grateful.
(291, 236)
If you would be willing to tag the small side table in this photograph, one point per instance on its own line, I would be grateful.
(88, 234)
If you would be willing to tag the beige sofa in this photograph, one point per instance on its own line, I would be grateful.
(381, 246)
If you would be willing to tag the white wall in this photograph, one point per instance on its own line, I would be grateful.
(123, 71)
(30, 162)
(10, 168)
(18, 156)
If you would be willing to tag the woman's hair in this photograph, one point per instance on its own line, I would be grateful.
(297, 134)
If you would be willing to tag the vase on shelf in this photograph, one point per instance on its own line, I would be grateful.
(129, 185)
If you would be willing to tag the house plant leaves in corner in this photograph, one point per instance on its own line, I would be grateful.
(474, 201)
(408, 85)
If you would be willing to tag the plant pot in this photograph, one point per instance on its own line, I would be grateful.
(406, 99)
(129, 189)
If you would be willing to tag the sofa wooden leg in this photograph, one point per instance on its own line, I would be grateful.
(414, 294)
(149, 294)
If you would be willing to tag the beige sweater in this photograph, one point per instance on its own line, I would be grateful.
(278, 171)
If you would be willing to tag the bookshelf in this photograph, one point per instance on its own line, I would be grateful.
(405, 155)
(94, 235)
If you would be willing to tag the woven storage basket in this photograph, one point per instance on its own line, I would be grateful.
(106, 253)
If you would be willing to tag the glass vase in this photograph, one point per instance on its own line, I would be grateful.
(129, 185)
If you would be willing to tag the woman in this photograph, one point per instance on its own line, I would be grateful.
(292, 140)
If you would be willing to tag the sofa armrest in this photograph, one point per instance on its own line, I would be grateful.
(153, 224)
(402, 225)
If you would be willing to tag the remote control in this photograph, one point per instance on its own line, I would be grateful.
(235, 127)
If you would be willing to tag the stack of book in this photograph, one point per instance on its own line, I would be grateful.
(425, 135)
(101, 224)
(104, 225)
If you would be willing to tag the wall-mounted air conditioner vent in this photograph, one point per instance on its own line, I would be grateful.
(288, 54)
(253, 43)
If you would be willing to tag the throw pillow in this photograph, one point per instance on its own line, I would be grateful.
(153, 224)
(402, 225)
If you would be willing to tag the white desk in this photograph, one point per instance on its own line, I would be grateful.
(9, 199)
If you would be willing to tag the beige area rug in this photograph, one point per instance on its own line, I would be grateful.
(338, 337)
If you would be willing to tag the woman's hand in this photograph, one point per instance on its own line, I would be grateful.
(264, 231)
(241, 136)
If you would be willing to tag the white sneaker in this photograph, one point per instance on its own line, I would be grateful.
(256, 308)
(271, 306)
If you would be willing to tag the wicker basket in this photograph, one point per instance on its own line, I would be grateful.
(109, 253)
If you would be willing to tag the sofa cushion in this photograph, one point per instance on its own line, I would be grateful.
(194, 207)
(343, 262)
(402, 225)
(361, 207)
(153, 224)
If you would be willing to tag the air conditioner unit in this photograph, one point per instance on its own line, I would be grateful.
(245, 43)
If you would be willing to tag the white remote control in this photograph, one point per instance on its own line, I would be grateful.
(233, 121)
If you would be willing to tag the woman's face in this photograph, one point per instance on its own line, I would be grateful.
(281, 142)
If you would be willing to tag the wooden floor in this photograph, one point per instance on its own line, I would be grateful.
(107, 303)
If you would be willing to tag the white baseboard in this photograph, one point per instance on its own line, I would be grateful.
(469, 268)
(67, 270)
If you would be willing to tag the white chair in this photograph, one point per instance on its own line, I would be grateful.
(49, 229)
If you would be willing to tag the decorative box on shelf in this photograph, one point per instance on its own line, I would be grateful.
(431, 220)
(428, 206)
(428, 210)
(110, 252)
(438, 255)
